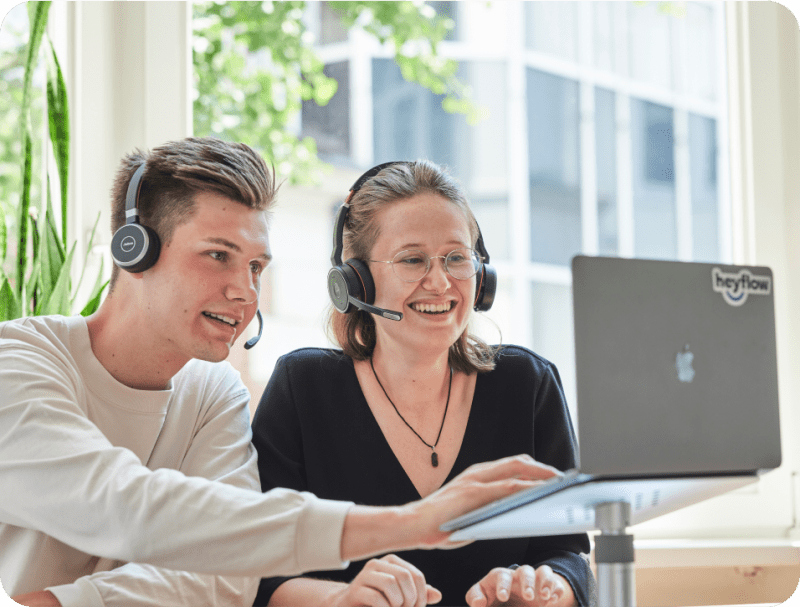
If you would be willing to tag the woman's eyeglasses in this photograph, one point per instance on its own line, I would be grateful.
(413, 265)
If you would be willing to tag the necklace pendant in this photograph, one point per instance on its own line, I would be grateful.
(434, 459)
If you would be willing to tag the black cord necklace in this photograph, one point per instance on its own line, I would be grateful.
(434, 455)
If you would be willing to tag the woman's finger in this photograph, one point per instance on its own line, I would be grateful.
(411, 584)
(433, 595)
(475, 596)
(503, 584)
(545, 580)
(525, 578)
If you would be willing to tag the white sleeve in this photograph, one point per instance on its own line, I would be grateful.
(135, 585)
(220, 450)
(62, 477)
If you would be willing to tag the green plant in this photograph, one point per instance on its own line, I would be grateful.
(44, 286)
(254, 66)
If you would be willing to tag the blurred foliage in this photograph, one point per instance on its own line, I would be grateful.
(12, 72)
(45, 285)
(255, 65)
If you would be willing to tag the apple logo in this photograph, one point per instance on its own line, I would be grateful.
(683, 365)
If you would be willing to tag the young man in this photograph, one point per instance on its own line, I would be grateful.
(126, 467)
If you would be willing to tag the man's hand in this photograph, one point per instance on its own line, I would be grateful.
(523, 587)
(387, 582)
(40, 598)
(478, 485)
(370, 531)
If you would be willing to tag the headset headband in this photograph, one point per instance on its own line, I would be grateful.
(132, 197)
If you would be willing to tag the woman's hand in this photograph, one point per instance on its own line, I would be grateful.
(387, 582)
(523, 587)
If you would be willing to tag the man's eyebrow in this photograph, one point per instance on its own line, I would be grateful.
(234, 247)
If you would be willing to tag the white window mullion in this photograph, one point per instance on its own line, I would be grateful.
(683, 186)
(725, 153)
(167, 72)
(589, 225)
(519, 178)
(361, 128)
(625, 221)
(741, 130)
(590, 239)
(622, 119)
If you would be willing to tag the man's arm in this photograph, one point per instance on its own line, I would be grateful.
(101, 500)
(70, 483)
(220, 450)
(369, 531)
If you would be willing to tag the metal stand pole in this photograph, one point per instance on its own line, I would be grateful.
(614, 556)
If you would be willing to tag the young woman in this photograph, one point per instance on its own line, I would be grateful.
(405, 406)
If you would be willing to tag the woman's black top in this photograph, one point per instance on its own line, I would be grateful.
(314, 431)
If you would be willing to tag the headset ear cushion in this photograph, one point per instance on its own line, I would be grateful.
(361, 278)
(135, 248)
(339, 289)
(488, 288)
(350, 279)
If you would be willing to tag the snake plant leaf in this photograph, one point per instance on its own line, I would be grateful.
(58, 117)
(86, 260)
(24, 208)
(50, 228)
(58, 301)
(50, 258)
(97, 294)
(9, 307)
(3, 235)
(37, 13)
(34, 278)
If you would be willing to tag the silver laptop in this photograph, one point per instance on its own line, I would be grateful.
(677, 395)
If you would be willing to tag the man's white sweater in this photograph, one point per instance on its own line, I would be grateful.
(111, 496)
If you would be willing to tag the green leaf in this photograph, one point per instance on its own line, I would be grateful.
(24, 208)
(97, 294)
(50, 227)
(3, 235)
(33, 280)
(58, 301)
(58, 116)
(86, 260)
(9, 308)
(37, 16)
(51, 256)
(37, 13)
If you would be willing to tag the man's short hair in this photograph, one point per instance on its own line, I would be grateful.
(178, 170)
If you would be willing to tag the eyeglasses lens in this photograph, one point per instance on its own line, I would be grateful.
(411, 266)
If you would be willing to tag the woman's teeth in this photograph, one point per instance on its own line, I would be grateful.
(432, 308)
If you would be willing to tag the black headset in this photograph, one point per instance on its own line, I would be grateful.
(350, 284)
(135, 247)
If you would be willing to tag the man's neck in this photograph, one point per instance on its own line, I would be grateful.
(121, 342)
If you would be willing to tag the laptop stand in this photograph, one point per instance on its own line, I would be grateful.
(613, 553)
(608, 504)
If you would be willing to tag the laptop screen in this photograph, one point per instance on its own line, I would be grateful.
(676, 367)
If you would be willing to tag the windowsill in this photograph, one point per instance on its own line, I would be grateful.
(652, 553)
(718, 572)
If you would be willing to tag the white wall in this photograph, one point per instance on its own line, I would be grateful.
(128, 70)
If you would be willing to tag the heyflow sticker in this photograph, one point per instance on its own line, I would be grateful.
(736, 287)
